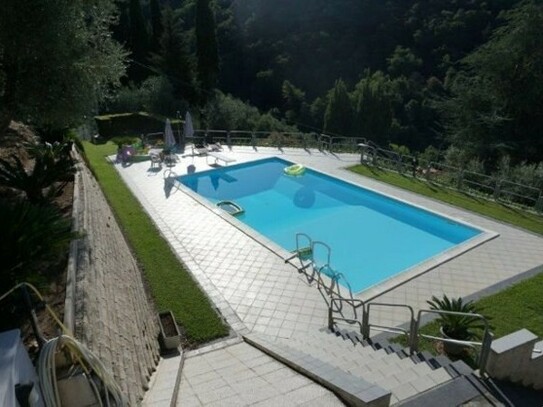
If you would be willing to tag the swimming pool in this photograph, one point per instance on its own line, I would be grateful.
(373, 237)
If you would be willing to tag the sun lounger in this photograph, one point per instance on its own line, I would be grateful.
(199, 150)
(202, 149)
(220, 157)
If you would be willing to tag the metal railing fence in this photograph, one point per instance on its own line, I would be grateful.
(487, 186)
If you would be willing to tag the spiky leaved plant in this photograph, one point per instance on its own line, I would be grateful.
(461, 327)
(53, 167)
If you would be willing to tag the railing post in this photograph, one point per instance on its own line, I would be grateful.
(460, 179)
(331, 315)
(365, 330)
(228, 139)
(414, 336)
(485, 351)
(253, 139)
(497, 190)
(539, 202)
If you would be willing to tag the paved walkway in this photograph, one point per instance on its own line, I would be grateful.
(240, 375)
(256, 291)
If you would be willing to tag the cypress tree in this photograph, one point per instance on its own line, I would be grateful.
(338, 115)
(139, 42)
(172, 59)
(156, 25)
(121, 28)
(206, 48)
(373, 115)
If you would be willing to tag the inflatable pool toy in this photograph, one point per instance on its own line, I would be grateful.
(295, 169)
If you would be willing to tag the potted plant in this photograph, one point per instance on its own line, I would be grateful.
(459, 327)
(169, 331)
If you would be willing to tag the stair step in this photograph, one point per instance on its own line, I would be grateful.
(442, 360)
(353, 390)
(381, 363)
(394, 348)
(458, 368)
(450, 394)
(356, 338)
(340, 349)
(343, 357)
(388, 370)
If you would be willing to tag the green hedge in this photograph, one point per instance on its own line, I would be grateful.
(130, 124)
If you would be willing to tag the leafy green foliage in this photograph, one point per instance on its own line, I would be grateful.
(31, 236)
(403, 62)
(497, 100)
(463, 327)
(339, 112)
(374, 113)
(296, 108)
(226, 112)
(57, 60)
(126, 140)
(52, 168)
(155, 95)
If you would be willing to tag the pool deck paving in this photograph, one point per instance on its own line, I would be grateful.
(257, 292)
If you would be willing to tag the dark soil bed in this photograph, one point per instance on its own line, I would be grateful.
(51, 279)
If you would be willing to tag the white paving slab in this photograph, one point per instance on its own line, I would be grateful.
(254, 288)
(240, 375)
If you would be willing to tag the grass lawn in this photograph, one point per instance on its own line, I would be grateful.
(172, 286)
(495, 210)
(516, 307)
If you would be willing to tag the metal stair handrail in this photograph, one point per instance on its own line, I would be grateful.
(485, 343)
(413, 332)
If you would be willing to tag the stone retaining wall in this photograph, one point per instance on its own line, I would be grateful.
(518, 358)
(107, 306)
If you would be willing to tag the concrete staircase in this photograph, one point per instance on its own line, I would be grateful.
(367, 373)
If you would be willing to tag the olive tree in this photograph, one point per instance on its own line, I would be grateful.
(57, 60)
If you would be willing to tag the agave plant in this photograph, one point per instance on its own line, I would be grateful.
(461, 327)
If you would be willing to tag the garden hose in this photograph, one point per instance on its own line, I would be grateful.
(80, 354)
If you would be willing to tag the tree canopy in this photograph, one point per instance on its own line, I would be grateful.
(57, 60)
(497, 100)
(417, 73)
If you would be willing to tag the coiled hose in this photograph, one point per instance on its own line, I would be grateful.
(89, 363)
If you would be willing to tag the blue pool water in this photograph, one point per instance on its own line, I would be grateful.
(373, 237)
